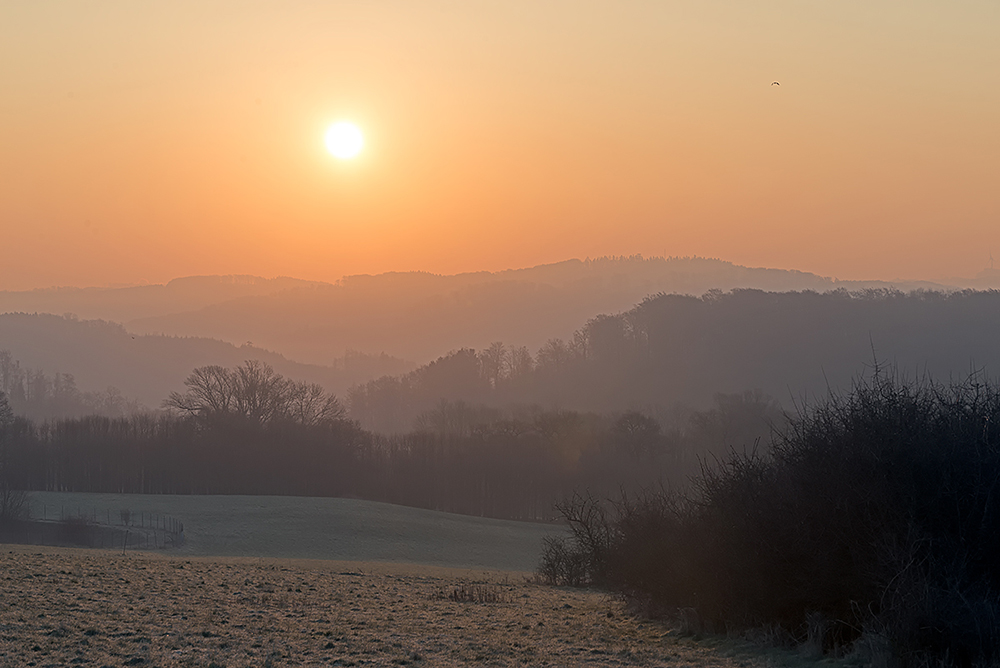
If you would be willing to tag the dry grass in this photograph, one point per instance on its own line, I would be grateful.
(65, 607)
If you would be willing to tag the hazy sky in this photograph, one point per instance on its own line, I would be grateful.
(140, 141)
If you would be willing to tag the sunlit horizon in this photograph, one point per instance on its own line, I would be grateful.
(142, 144)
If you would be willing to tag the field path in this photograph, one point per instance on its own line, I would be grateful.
(66, 607)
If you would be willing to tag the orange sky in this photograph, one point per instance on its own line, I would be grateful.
(144, 141)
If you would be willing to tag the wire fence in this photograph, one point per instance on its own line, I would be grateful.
(97, 528)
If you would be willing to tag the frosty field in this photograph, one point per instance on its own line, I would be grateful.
(320, 528)
(70, 607)
(279, 581)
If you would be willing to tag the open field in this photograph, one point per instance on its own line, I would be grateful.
(69, 607)
(319, 528)
(396, 586)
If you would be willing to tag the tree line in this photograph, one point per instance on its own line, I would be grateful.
(33, 393)
(249, 430)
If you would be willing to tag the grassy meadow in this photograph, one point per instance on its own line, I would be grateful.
(319, 528)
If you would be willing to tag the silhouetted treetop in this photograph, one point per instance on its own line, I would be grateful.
(6, 414)
(253, 392)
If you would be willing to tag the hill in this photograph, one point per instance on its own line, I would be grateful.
(419, 316)
(120, 304)
(354, 331)
(675, 350)
(100, 354)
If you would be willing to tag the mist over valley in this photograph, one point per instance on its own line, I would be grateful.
(605, 335)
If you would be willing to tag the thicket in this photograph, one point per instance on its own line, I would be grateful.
(875, 515)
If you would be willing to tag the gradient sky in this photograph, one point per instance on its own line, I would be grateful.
(140, 141)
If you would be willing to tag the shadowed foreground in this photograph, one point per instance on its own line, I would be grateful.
(72, 607)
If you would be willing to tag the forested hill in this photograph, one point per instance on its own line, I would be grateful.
(673, 349)
(420, 316)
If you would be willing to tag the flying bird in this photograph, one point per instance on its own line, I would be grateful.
(775, 83)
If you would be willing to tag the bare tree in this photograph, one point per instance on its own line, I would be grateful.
(10, 371)
(255, 392)
(521, 362)
(210, 392)
(260, 393)
(13, 501)
(554, 355)
(495, 362)
(6, 414)
(309, 404)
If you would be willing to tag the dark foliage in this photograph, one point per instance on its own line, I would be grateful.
(500, 467)
(562, 563)
(876, 512)
(249, 430)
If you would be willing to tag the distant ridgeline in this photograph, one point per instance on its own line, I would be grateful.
(420, 316)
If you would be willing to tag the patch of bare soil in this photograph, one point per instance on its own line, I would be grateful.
(64, 607)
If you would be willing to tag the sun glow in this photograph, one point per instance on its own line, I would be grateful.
(344, 140)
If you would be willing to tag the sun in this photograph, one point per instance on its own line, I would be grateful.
(344, 140)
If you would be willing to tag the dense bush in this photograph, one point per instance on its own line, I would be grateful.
(876, 513)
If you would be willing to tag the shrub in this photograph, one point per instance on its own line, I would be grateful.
(563, 564)
(876, 512)
(477, 593)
